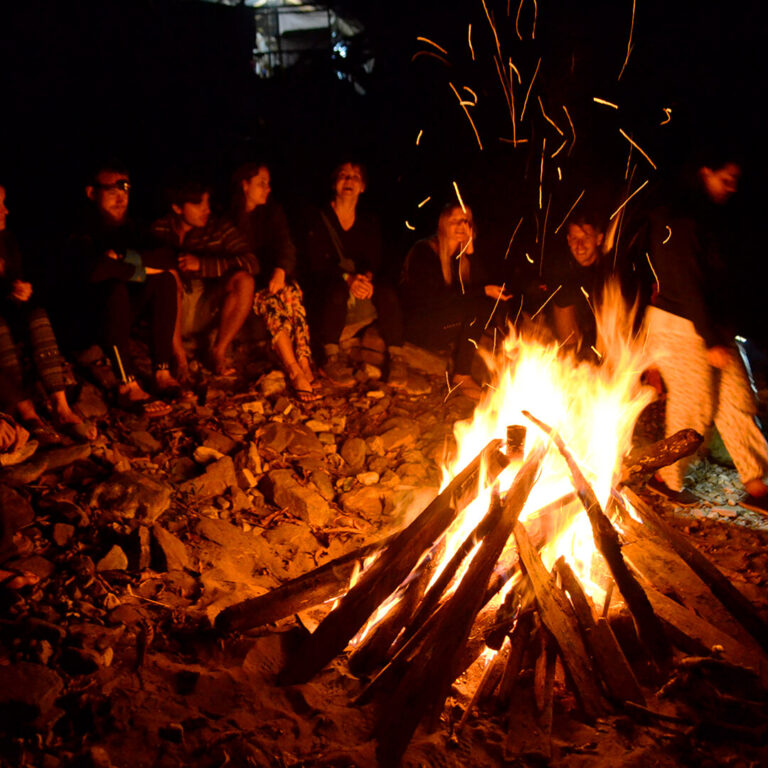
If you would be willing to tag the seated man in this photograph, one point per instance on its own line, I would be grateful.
(210, 250)
(113, 275)
(582, 277)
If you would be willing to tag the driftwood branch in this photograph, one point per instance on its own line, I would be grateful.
(649, 458)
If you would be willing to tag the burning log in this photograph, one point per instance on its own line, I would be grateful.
(519, 639)
(424, 686)
(607, 541)
(324, 583)
(391, 568)
(558, 617)
(617, 675)
(736, 604)
(649, 458)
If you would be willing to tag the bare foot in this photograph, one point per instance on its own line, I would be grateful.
(219, 363)
(306, 367)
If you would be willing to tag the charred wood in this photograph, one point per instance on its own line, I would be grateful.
(391, 568)
(649, 458)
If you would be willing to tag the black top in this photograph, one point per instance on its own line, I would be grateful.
(332, 251)
(10, 263)
(266, 231)
(687, 243)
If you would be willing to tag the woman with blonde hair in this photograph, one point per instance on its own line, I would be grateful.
(445, 298)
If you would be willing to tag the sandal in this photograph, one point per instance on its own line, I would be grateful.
(152, 409)
(303, 390)
(83, 432)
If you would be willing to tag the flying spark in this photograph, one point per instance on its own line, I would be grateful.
(513, 68)
(418, 138)
(655, 276)
(463, 105)
(517, 19)
(541, 169)
(528, 257)
(570, 210)
(431, 42)
(498, 299)
(551, 296)
(535, 16)
(573, 130)
(594, 349)
(513, 237)
(458, 195)
(666, 239)
(668, 113)
(610, 218)
(557, 151)
(493, 28)
(629, 42)
(607, 103)
(469, 40)
(548, 118)
(559, 174)
(638, 148)
(472, 93)
(424, 201)
(520, 308)
(409, 225)
(528, 92)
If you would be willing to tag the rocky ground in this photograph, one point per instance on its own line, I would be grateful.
(151, 531)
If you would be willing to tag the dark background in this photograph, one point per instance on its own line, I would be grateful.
(168, 85)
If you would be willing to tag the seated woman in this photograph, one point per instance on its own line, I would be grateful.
(21, 318)
(445, 300)
(343, 251)
(278, 299)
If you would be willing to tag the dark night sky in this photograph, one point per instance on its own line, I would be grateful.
(166, 84)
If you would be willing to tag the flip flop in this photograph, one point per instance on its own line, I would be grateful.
(152, 409)
(306, 395)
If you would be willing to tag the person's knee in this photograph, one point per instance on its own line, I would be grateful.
(241, 284)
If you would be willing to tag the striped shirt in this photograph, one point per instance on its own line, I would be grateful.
(219, 246)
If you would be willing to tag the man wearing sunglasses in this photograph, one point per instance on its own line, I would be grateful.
(119, 277)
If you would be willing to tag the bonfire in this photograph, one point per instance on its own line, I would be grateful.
(521, 552)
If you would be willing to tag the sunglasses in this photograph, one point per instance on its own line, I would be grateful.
(121, 184)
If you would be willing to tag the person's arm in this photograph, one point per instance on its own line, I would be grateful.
(224, 251)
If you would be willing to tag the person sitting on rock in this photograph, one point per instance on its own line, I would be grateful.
(117, 274)
(343, 253)
(23, 319)
(278, 298)
(213, 257)
(445, 299)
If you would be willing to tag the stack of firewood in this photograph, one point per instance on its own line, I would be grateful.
(658, 604)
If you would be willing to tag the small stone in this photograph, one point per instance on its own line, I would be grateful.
(375, 394)
(365, 502)
(254, 406)
(353, 451)
(174, 553)
(63, 533)
(145, 554)
(63, 457)
(322, 481)
(240, 500)
(128, 495)
(370, 372)
(27, 690)
(218, 476)
(327, 438)
(318, 426)
(272, 384)
(145, 441)
(218, 441)
(245, 479)
(205, 455)
(368, 478)
(295, 440)
(114, 560)
(253, 459)
(282, 488)
(726, 512)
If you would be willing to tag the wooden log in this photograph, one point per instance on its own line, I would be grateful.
(519, 639)
(649, 458)
(558, 617)
(313, 588)
(379, 581)
(736, 604)
(424, 686)
(490, 679)
(693, 634)
(610, 661)
(375, 648)
(607, 542)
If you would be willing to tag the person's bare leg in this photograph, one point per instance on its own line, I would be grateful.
(65, 415)
(26, 411)
(306, 366)
(179, 353)
(133, 391)
(238, 301)
(282, 345)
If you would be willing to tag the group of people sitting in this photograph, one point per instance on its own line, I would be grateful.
(192, 263)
